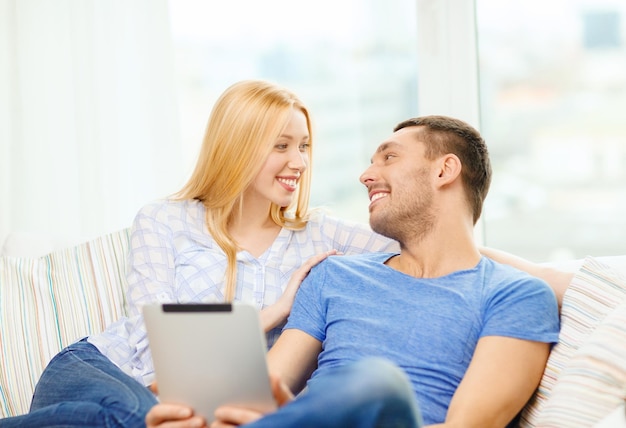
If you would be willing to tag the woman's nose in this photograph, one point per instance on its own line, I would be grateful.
(298, 160)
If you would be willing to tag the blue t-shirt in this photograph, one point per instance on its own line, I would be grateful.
(358, 307)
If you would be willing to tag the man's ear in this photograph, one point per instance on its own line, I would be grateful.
(449, 169)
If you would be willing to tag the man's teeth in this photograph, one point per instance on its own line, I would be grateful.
(377, 196)
(288, 181)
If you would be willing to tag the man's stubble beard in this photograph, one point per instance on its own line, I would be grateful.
(408, 221)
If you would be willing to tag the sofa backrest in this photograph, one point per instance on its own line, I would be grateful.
(48, 302)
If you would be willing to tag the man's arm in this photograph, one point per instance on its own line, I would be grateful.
(293, 358)
(501, 378)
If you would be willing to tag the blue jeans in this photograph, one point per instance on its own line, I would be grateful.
(369, 393)
(80, 387)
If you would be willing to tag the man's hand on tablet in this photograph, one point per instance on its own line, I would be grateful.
(230, 416)
(167, 415)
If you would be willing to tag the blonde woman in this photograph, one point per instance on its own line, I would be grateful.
(240, 229)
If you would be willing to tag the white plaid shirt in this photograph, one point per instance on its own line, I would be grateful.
(173, 258)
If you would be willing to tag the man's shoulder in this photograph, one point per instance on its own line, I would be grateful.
(348, 264)
(518, 304)
(505, 279)
(503, 272)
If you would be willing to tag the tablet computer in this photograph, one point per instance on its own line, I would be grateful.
(207, 355)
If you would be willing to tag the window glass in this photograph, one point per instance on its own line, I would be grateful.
(553, 103)
(353, 62)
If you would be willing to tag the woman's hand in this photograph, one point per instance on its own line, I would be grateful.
(276, 314)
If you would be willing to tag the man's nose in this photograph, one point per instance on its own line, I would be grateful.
(368, 176)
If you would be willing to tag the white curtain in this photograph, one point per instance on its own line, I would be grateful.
(88, 114)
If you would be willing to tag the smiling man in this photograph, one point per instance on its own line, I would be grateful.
(435, 334)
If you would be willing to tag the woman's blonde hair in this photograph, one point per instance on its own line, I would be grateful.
(241, 131)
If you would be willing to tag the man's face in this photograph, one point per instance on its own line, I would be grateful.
(400, 188)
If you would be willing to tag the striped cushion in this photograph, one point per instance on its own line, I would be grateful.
(588, 327)
(593, 383)
(49, 302)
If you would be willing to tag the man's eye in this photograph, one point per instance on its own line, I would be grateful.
(389, 155)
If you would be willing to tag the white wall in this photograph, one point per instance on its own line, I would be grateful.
(88, 114)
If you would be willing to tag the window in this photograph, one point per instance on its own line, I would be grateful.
(545, 83)
(553, 97)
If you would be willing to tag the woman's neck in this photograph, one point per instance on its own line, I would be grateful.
(253, 231)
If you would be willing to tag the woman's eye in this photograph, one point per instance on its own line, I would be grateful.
(281, 146)
(304, 147)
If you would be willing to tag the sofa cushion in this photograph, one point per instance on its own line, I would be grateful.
(593, 382)
(592, 307)
(49, 302)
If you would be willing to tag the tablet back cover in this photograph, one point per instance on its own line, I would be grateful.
(207, 355)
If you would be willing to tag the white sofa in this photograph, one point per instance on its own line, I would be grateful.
(49, 301)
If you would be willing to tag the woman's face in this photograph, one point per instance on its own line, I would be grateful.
(278, 179)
